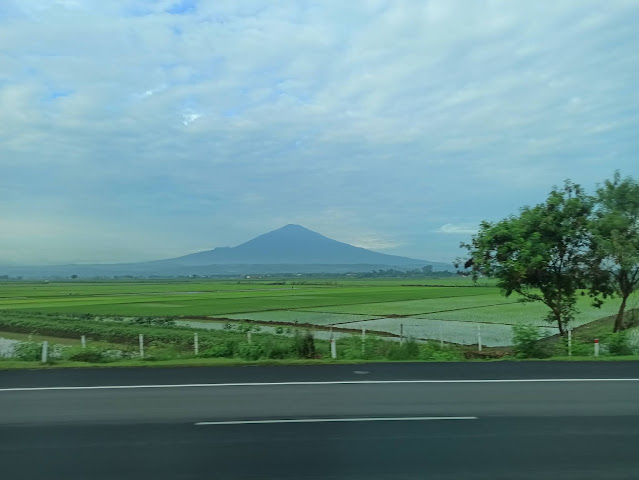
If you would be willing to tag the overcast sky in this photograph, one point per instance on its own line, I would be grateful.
(141, 129)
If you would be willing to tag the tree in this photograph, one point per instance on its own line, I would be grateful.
(615, 246)
(541, 254)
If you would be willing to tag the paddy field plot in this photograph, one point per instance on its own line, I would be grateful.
(529, 313)
(452, 313)
(463, 333)
(299, 316)
(413, 307)
(219, 301)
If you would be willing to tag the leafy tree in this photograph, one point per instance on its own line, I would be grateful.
(615, 246)
(526, 342)
(541, 254)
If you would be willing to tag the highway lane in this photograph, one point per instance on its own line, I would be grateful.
(231, 402)
(523, 429)
(487, 448)
(372, 371)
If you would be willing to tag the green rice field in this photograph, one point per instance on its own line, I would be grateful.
(450, 309)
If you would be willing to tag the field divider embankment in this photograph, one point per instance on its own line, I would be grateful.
(307, 326)
(307, 309)
(401, 315)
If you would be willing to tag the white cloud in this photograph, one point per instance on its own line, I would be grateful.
(396, 113)
(375, 243)
(189, 118)
(457, 229)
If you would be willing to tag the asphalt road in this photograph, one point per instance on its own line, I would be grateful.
(440, 423)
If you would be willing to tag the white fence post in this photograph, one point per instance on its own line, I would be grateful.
(141, 338)
(333, 344)
(401, 333)
(363, 341)
(441, 337)
(83, 341)
(196, 344)
(570, 342)
(479, 337)
(45, 351)
(596, 347)
(248, 337)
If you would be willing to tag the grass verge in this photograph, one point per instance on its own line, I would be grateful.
(230, 362)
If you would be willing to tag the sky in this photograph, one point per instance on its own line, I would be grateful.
(136, 130)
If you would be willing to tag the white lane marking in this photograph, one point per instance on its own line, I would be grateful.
(337, 382)
(328, 420)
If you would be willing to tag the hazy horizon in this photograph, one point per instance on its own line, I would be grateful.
(140, 130)
(283, 227)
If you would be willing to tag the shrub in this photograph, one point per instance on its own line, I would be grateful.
(162, 322)
(526, 342)
(409, 350)
(619, 344)
(89, 354)
(304, 345)
(155, 352)
(632, 318)
(28, 351)
(251, 351)
(432, 351)
(279, 348)
(582, 348)
(484, 354)
(219, 350)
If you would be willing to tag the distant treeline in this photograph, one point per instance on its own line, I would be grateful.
(424, 272)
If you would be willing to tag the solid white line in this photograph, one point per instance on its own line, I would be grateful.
(338, 382)
(328, 420)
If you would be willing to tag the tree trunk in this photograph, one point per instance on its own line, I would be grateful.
(562, 330)
(620, 314)
(560, 324)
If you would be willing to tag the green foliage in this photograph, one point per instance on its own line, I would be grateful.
(619, 344)
(615, 246)
(377, 348)
(304, 345)
(540, 254)
(432, 351)
(115, 332)
(423, 272)
(581, 348)
(225, 349)
(252, 351)
(410, 348)
(526, 340)
(89, 354)
(161, 322)
(163, 342)
(28, 351)
(156, 352)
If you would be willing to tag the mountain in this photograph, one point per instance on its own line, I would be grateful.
(293, 244)
(290, 249)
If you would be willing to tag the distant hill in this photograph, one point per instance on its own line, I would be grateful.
(290, 249)
(293, 244)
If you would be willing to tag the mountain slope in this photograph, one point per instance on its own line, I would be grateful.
(292, 244)
(290, 249)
